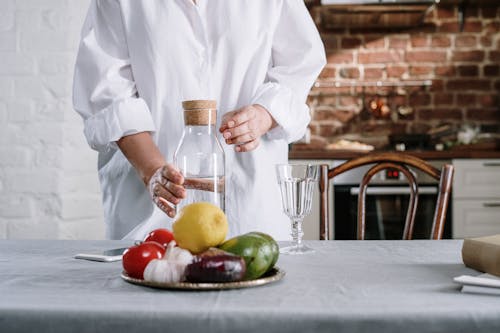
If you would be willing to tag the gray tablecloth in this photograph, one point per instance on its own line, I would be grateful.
(346, 286)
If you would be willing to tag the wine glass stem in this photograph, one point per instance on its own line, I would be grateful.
(297, 232)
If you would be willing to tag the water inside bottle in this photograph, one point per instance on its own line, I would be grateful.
(204, 189)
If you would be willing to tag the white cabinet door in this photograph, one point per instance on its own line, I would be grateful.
(476, 178)
(475, 218)
(476, 197)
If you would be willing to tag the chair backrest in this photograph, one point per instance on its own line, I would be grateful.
(382, 161)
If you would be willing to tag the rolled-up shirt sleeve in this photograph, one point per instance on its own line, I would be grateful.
(298, 56)
(104, 91)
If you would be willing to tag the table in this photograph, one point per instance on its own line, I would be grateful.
(346, 286)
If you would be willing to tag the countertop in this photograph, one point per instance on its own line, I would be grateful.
(330, 154)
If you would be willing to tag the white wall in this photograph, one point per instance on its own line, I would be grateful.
(48, 179)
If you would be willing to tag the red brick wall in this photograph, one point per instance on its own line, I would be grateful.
(464, 67)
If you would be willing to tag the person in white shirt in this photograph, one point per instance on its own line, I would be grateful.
(138, 60)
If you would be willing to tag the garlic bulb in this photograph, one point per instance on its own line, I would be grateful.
(163, 271)
(171, 268)
(177, 254)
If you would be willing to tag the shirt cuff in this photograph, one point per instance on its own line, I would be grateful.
(124, 117)
(277, 100)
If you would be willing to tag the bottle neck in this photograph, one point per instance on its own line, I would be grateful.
(200, 129)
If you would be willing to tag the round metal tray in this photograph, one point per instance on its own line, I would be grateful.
(273, 275)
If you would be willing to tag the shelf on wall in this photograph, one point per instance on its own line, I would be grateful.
(339, 84)
(351, 88)
(469, 2)
(376, 14)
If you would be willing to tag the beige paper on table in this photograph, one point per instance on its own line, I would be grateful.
(482, 254)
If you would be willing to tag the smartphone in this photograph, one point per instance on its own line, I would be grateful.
(104, 256)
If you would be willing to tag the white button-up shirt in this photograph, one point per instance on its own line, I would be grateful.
(138, 60)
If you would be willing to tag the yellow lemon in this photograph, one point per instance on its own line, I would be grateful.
(199, 226)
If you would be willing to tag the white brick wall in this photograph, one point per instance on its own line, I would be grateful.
(48, 179)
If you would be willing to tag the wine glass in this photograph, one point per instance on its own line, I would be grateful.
(296, 184)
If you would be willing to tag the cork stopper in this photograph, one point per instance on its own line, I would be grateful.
(200, 112)
(199, 104)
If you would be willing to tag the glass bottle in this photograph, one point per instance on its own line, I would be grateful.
(199, 155)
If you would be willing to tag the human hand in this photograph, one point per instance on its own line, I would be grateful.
(166, 188)
(245, 126)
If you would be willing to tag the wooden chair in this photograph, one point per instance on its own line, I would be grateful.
(382, 161)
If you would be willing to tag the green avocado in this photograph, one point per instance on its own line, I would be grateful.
(258, 252)
(274, 246)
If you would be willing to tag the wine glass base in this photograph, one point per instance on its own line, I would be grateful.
(294, 249)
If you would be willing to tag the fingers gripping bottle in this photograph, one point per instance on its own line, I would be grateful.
(199, 155)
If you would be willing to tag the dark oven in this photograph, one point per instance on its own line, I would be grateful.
(386, 204)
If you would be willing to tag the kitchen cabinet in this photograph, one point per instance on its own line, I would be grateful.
(476, 197)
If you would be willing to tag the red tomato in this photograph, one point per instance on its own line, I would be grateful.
(162, 236)
(137, 257)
